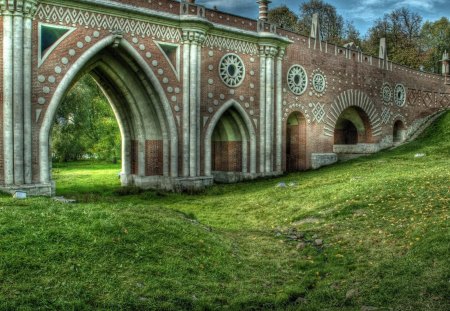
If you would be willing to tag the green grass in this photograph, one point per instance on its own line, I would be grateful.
(384, 220)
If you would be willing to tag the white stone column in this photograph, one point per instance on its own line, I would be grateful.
(8, 110)
(199, 90)
(27, 89)
(17, 88)
(193, 110)
(18, 98)
(279, 107)
(270, 104)
(186, 103)
(262, 111)
(191, 101)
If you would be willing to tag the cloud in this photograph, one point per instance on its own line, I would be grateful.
(363, 13)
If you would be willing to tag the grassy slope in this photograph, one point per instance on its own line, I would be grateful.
(384, 221)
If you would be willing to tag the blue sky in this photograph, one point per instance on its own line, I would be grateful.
(363, 13)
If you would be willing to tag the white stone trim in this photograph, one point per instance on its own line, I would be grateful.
(175, 67)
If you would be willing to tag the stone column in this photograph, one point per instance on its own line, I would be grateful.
(17, 72)
(270, 103)
(267, 104)
(279, 107)
(262, 111)
(29, 11)
(191, 101)
(18, 94)
(8, 110)
(186, 101)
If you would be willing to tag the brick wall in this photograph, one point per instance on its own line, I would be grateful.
(153, 157)
(227, 156)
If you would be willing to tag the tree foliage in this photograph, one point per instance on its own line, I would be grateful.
(283, 17)
(85, 125)
(435, 39)
(331, 23)
(401, 28)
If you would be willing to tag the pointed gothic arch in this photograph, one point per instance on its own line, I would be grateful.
(137, 99)
(244, 127)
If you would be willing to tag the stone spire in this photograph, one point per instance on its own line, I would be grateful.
(445, 64)
(263, 9)
(382, 54)
(315, 32)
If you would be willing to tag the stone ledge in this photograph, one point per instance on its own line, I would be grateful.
(176, 184)
(47, 190)
(234, 177)
(358, 149)
(323, 159)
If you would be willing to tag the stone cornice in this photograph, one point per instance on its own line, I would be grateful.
(193, 36)
(169, 19)
(26, 7)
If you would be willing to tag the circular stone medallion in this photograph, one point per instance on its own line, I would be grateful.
(232, 70)
(297, 79)
(400, 95)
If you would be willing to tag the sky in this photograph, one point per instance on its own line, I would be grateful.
(363, 13)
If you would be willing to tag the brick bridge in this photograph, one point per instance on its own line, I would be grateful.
(199, 95)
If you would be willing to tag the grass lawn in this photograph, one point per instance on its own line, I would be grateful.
(384, 221)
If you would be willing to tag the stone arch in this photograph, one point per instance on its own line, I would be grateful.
(246, 130)
(109, 72)
(352, 127)
(295, 140)
(352, 98)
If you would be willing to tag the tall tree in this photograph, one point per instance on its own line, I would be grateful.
(401, 28)
(435, 39)
(351, 34)
(331, 23)
(283, 17)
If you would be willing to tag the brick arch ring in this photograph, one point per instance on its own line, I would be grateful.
(245, 127)
(352, 98)
(71, 75)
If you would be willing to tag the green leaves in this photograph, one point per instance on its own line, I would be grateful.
(85, 125)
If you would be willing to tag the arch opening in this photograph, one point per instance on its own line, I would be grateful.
(295, 142)
(148, 134)
(230, 145)
(227, 141)
(352, 127)
(399, 131)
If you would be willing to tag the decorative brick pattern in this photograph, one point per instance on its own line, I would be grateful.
(223, 43)
(70, 16)
(153, 157)
(134, 156)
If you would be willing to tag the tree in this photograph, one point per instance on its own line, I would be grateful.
(331, 23)
(85, 125)
(401, 28)
(435, 39)
(351, 34)
(283, 17)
